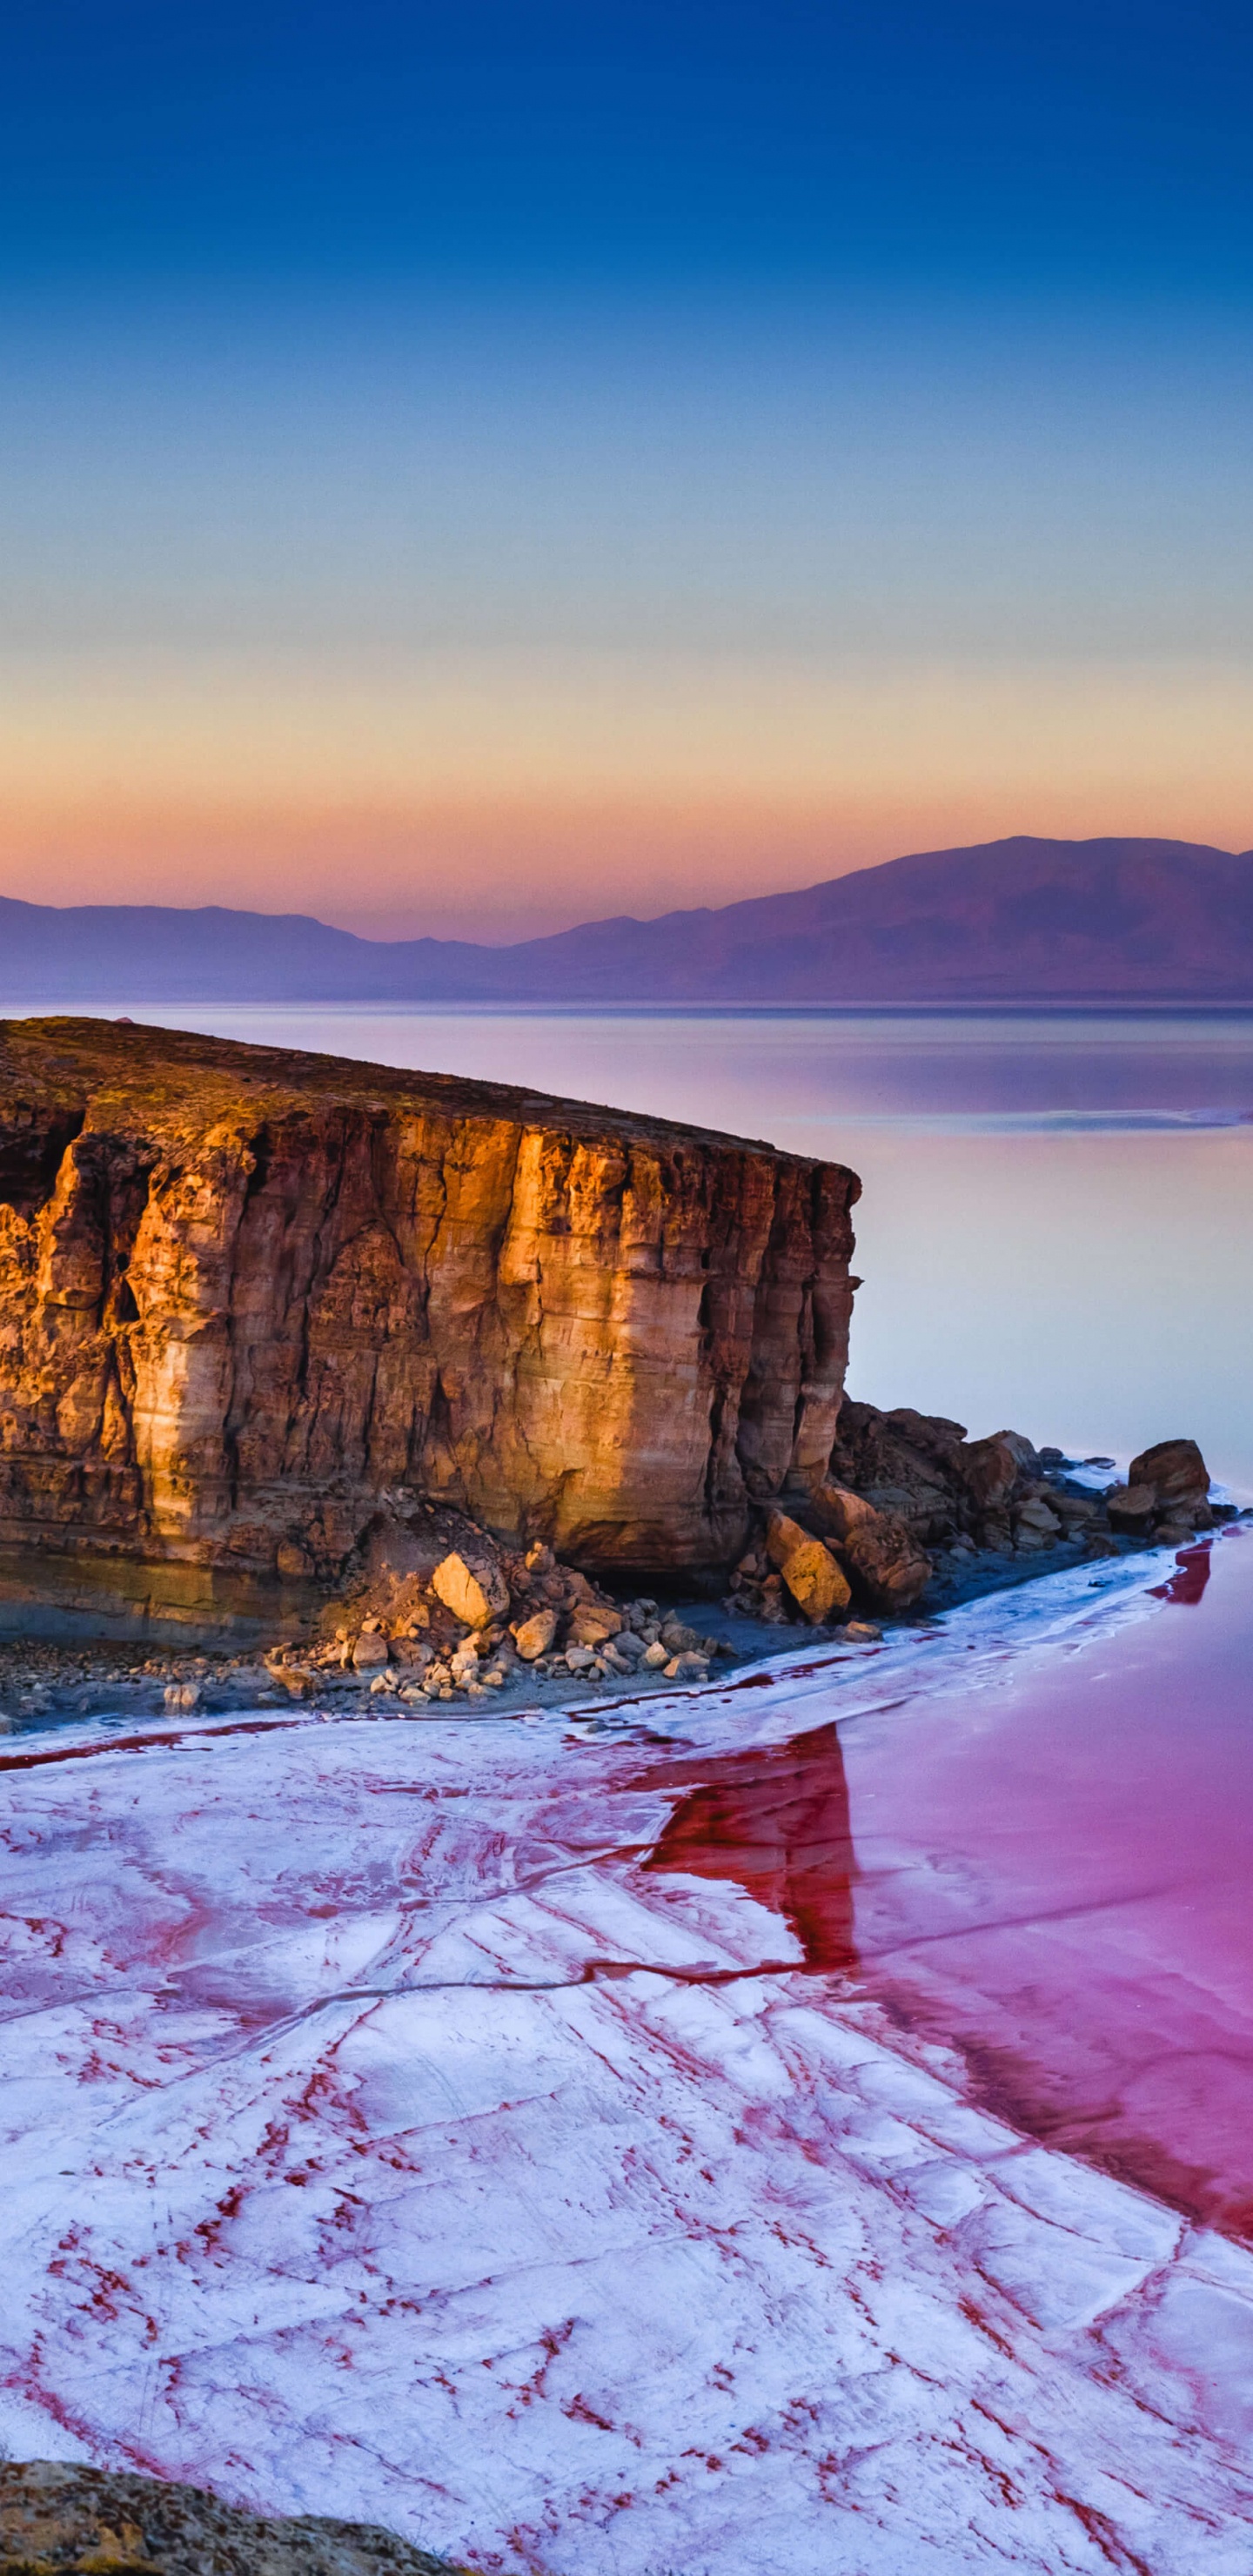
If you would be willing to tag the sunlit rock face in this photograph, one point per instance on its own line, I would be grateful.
(250, 1297)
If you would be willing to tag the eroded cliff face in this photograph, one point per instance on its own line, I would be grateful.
(249, 1299)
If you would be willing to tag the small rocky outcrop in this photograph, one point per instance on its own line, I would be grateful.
(250, 1299)
(57, 2519)
(913, 1508)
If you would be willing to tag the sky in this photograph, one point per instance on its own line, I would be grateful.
(473, 468)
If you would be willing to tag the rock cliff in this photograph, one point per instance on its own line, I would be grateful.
(250, 1300)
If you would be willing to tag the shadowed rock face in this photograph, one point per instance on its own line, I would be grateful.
(251, 1298)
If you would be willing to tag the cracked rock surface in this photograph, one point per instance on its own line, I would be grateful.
(250, 1297)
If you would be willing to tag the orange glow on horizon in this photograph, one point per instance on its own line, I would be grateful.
(505, 798)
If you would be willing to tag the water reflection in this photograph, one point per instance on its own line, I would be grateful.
(776, 1823)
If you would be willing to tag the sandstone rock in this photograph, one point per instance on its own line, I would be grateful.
(818, 1586)
(687, 1668)
(991, 1469)
(681, 1639)
(1175, 1471)
(656, 1656)
(886, 1563)
(292, 1562)
(370, 1650)
(472, 1593)
(629, 1648)
(1131, 1507)
(534, 1636)
(836, 1511)
(783, 1538)
(251, 1297)
(591, 1626)
(1040, 1516)
(580, 1658)
(863, 1632)
(908, 1465)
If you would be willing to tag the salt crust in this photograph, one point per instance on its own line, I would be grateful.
(333, 2183)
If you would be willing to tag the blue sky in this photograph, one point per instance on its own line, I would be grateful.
(468, 467)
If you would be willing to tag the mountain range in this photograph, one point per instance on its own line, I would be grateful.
(1016, 920)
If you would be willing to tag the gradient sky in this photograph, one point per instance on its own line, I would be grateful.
(473, 468)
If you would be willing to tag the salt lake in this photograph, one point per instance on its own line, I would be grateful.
(802, 2122)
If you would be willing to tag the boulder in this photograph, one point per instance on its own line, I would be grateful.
(886, 1563)
(370, 1651)
(1176, 1473)
(836, 1511)
(818, 1586)
(681, 1639)
(1035, 1514)
(991, 1469)
(594, 1626)
(783, 1538)
(687, 1668)
(1131, 1507)
(534, 1636)
(474, 1593)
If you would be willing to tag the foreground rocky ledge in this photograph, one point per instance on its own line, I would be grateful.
(254, 1299)
(56, 2517)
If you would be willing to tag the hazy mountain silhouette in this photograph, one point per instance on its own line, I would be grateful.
(1013, 920)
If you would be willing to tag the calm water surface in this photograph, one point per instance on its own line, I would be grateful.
(1054, 1872)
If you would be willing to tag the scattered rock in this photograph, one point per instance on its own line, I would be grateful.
(534, 1636)
(182, 1695)
(591, 1626)
(836, 1512)
(991, 1469)
(472, 1593)
(819, 1587)
(886, 1563)
(783, 1538)
(863, 1632)
(687, 1668)
(1176, 1473)
(370, 1650)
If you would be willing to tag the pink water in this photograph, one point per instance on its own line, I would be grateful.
(1057, 1873)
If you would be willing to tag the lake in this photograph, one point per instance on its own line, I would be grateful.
(815, 2107)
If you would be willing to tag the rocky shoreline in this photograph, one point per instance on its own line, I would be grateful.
(56, 2516)
(438, 1613)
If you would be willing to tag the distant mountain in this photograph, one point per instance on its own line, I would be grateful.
(1014, 920)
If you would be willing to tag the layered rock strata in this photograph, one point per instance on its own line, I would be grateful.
(253, 1302)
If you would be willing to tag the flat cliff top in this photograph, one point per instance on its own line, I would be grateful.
(162, 1075)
